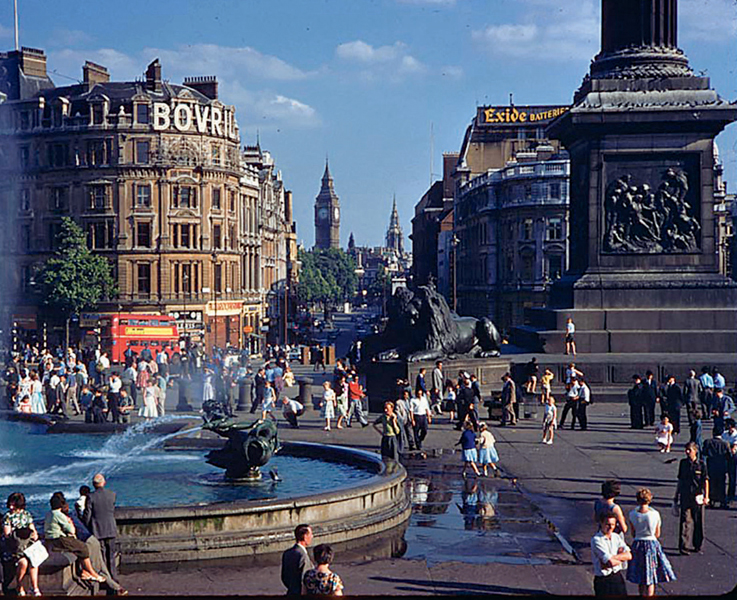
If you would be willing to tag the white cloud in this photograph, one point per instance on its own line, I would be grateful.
(451, 72)
(380, 63)
(232, 66)
(5, 32)
(570, 29)
(360, 51)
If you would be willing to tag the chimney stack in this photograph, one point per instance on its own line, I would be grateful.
(153, 77)
(207, 85)
(94, 73)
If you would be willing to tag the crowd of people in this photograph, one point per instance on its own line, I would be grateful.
(88, 533)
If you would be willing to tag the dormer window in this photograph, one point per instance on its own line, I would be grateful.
(142, 114)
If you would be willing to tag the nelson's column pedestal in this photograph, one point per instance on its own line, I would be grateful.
(643, 276)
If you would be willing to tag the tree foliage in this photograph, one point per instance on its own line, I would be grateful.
(326, 276)
(74, 278)
(381, 286)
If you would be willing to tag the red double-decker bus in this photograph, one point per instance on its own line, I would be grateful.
(139, 333)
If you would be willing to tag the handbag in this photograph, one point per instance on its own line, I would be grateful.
(36, 553)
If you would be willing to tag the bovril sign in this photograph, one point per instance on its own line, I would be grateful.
(195, 118)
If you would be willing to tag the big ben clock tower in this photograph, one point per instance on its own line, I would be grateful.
(327, 214)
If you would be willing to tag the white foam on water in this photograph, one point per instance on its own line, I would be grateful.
(116, 453)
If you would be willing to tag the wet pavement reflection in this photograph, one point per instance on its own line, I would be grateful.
(474, 520)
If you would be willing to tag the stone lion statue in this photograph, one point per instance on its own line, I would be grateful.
(421, 326)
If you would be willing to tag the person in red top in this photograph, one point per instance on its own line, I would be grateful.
(355, 405)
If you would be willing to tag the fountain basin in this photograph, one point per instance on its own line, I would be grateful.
(259, 527)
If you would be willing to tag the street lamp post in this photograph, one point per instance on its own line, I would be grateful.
(454, 242)
(214, 257)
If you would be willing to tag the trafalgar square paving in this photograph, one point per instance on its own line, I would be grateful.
(526, 532)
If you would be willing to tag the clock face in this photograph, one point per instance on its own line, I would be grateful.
(337, 213)
(323, 213)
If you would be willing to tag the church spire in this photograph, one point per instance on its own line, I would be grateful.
(394, 235)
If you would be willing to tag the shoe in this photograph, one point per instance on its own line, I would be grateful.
(326, 429)
(21, 592)
(684, 552)
(121, 592)
(36, 592)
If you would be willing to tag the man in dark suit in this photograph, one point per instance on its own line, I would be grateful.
(651, 393)
(296, 561)
(99, 517)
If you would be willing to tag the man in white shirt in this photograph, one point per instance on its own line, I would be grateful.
(291, 409)
(609, 555)
(584, 399)
(421, 417)
(571, 403)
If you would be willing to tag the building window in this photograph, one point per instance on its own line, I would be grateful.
(25, 238)
(142, 152)
(218, 283)
(528, 266)
(96, 152)
(25, 200)
(216, 192)
(217, 237)
(144, 278)
(528, 192)
(24, 155)
(231, 237)
(56, 154)
(555, 229)
(142, 114)
(232, 201)
(100, 235)
(555, 266)
(25, 120)
(215, 153)
(527, 229)
(98, 197)
(185, 197)
(555, 190)
(187, 278)
(58, 198)
(97, 114)
(143, 234)
(54, 230)
(143, 195)
(185, 235)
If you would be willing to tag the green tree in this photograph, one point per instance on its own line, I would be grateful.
(75, 279)
(326, 276)
(381, 286)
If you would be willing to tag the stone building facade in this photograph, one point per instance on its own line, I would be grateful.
(155, 175)
(512, 230)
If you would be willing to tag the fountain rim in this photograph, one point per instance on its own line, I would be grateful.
(374, 462)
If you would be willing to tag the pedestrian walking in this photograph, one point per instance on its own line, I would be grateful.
(421, 418)
(321, 581)
(691, 390)
(717, 453)
(609, 556)
(532, 372)
(509, 399)
(571, 405)
(295, 562)
(649, 565)
(387, 425)
(610, 489)
(550, 420)
(706, 391)
(730, 436)
(355, 401)
(259, 385)
(584, 400)
(467, 442)
(488, 455)
(673, 399)
(722, 407)
(449, 401)
(404, 416)
(546, 385)
(651, 397)
(696, 429)
(692, 495)
(636, 401)
(340, 387)
(328, 404)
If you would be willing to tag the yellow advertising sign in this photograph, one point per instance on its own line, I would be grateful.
(520, 115)
(149, 331)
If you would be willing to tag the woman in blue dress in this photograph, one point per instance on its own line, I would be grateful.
(38, 404)
(649, 565)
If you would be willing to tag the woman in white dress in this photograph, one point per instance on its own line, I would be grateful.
(148, 410)
(38, 404)
(328, 404)
(24, 385)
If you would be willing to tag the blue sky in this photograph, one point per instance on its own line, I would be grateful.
(362, 81)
